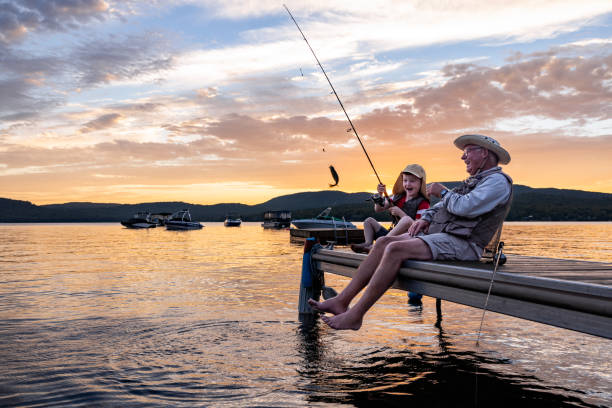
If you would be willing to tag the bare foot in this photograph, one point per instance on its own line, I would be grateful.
(332, 305)
(343, 321)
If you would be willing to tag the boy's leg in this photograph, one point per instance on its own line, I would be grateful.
(370, 227)
(401, 227)
(371, 230)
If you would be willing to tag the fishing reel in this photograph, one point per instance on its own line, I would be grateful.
(502, 259)
(378, 199)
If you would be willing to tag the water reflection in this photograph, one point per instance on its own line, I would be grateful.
(311, 348)
(445, 377)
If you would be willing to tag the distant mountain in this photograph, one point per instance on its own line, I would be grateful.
(300, 201)
(551, 204)
(537, 204)
(308, 203)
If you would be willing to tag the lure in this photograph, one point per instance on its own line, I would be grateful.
(334, 175)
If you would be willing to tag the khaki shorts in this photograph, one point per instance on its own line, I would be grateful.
(446, 247)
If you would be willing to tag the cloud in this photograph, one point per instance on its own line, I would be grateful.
(31, 84)
(358, 34)
(119, 58)
(103, 122)
(476, 96)
(12, 91)
(555, 92)
(18, 17)
(18, 103)
(23, 88)
(137, 107)
(389, 24)
(101, 155)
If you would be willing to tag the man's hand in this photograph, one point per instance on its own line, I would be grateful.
(435, 189)
(418, 226)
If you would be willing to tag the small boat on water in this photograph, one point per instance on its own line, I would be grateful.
(160, 218)
(277, 219)
(181, 220)
(232, 220)
(140, 220)
(323, 220)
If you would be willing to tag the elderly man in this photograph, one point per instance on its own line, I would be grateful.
(456, 228)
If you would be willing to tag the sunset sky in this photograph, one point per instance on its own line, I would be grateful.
(222, 101)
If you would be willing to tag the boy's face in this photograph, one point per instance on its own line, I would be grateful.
(412, 184)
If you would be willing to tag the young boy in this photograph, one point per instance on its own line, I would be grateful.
(409, 201)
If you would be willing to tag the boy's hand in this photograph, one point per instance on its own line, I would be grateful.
(396, 211)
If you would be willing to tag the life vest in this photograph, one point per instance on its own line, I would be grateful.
(410, 207)
(478, 230)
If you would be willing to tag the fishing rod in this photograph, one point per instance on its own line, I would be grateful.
(339, 101)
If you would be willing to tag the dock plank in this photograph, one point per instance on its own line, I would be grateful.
(339, 236)
(564, 269)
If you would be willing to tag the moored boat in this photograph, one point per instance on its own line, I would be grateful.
(181, 220)
(232, 220)
(277, 219)
(323, 220)
(140, 220)
(160, 218)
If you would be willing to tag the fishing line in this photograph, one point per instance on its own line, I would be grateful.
(338, 98)
(498, 256)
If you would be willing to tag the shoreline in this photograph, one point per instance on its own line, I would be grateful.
(534, 222)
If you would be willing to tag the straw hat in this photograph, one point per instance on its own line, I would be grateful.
(484, 141)
(416, 170)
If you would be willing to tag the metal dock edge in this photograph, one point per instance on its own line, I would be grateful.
(574, 305)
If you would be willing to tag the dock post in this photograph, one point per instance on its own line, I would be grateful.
(309, 287)
(414, 298)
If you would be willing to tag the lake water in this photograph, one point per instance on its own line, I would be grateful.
(99, 315)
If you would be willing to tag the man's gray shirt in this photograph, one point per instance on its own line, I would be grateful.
(491, 192)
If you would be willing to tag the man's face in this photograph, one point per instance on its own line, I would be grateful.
(473, 157)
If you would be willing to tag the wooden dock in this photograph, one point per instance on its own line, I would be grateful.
(575, 295)
(340, 236)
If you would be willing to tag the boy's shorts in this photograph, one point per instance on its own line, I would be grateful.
(382, 231)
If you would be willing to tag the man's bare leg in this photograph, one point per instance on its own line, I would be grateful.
(339, 304)
(394, 254)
